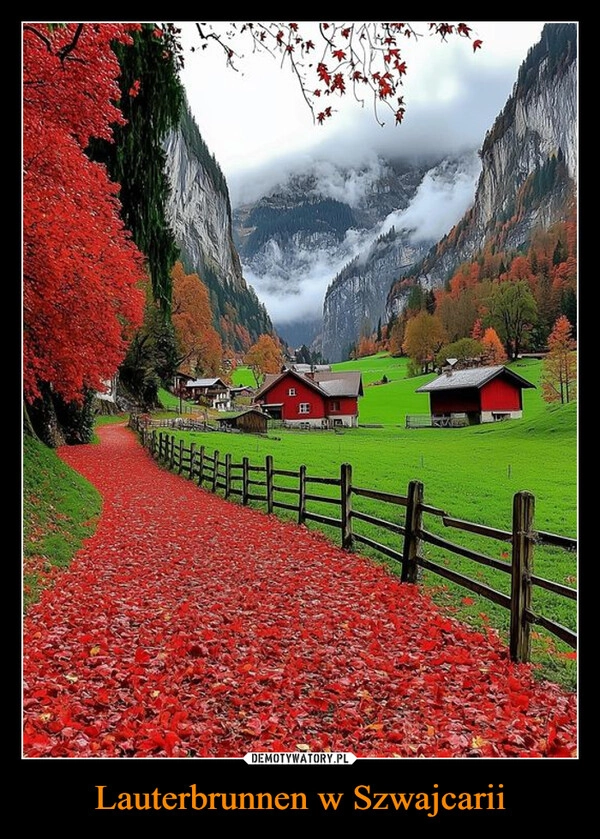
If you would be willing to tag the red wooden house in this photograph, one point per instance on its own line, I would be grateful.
(320, 399)
(481, 394)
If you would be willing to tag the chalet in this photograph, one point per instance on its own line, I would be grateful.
(241, 392)
(476, 395)
(180, 380)
(311, 368)
(214, 392)
(251, 421)
(319, 399)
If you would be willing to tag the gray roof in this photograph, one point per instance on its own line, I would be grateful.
(310, 368)
(473, 377)
(205, 383)
(331, 383)
(340, 382)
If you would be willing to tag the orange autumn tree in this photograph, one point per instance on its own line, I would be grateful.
(264, 356)
(366, 346)
(197, 339)
(559, 374)
(493, 350)
(423, 339)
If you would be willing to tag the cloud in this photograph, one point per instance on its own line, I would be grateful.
(451, 123)
(443, 197)
(292, 289)
(292, 285)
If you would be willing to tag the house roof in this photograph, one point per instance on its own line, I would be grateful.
(343, 383)
(473, 377)
(243, 413)
(309, 368)
(327, 383)
(205, 382)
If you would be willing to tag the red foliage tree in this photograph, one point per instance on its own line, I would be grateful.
(81, 271)
(366, 346)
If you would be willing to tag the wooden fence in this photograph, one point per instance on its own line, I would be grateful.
(258, 483)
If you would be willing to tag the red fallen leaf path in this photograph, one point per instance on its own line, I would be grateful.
(191, 626)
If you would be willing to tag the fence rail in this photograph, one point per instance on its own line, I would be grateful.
(218, 471)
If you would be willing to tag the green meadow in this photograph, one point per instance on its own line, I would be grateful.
(472, 473)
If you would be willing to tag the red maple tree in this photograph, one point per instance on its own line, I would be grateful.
(81, 271)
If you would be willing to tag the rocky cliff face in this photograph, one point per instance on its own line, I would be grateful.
(200, 216)
(355, 300)
(529, 163)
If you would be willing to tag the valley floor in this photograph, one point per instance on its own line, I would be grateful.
(189, 626)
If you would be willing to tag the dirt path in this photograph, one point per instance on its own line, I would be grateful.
(191, 626)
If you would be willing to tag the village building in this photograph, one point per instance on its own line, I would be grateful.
(315, 399)
(251, 421)
(476, 395)
(243, 392)
(311, 368)
(212, 392)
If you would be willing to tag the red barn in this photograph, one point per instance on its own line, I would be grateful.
(480, 394)
(320, 399)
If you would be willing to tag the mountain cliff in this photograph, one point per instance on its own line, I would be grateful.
(199, 213)
(355, 301)
(529, 164)
(304, 231)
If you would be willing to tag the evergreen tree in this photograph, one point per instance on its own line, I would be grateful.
(151, 101)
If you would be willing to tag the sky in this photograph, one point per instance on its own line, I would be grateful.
(259, 129)
(255, 121)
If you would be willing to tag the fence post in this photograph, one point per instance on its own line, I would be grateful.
(160, 445)
(414, 518)
(180, 457)
(301, 494)
(215, 470)
(227, 475)
(269, 481)
(346, 499)
(245, 481)
(192, 457)
(172, 452)
(201, 467)
(522, 569)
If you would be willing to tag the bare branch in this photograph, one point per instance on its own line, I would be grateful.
(63, 53)
(40, 35)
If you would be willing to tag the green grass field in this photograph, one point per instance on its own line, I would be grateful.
(472, 473)
(60, 510)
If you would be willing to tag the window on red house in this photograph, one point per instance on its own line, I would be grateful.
(292, 391)
(304, 408)
(334, 405)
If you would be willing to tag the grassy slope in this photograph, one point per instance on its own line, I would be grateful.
(60, 510)
(473, 473)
